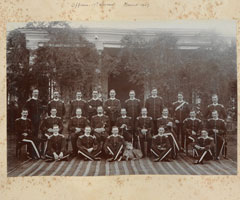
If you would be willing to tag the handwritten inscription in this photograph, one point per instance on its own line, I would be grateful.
(111, 4)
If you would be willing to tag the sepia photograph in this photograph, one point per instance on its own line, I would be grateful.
(121, 98)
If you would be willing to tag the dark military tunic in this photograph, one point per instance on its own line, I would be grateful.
(163, 121)
(78, 104)
(25, 126)
(154, 107)
(218, 107)
(144, 123)
(114, 146)
(133, 108)
(180, 111)
(219, 138)
(161, 146)
(101, 122)
(35, 109)
(112, 108)
(59, 105)
(92, 105)
(125, 132)
(74, 123)
(205, 153)
(85, 142)
(48, 122)
(192, 125)
(57, 144)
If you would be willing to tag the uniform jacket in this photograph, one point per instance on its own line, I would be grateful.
(59, 105)
(144, 123)
(78, 104)
(218, 124)
(92, 106)
(56, 144)
(87, 142)
(180, 110)
(204, 142)
(161, 141)
(35, 109)
(100, 122)
(76, 122)
(192, 125)
(154, 107)
(164, 121)
(133, 108)
(48, 122)
(218, 107)
(112, 108)
(23, 126)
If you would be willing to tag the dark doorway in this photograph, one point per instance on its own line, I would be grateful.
(122, 85)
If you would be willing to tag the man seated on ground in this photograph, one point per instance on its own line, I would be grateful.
(88, 146)
(76, 128)
(24, 133)
(192, 127)
(161, 146)
(56, 149)
(170, 128)
(202, 147)
(114, 145)
(124, 123)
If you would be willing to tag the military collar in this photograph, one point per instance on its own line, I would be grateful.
(78, 116)
(112, 98)
(56, 99)
(215, 119)
(144, 116)
(124, 116)
(23, 118)
(87, 135)
(78, 99)
(160, 135)
(155, 96)
(193, 118)
(215, 104)
(100, 115)
(180, 101)
(165, 117)
(115, 135)
(132, 99)
(55, 134)
(95, 99)
(34, 98)
(53, 116)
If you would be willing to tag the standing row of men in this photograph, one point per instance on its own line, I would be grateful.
(133, 123)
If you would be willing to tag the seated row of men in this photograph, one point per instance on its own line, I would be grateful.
(141, 132)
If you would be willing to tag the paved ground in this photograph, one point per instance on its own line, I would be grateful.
(183, 165)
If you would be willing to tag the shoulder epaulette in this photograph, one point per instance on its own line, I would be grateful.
(58, 117)
(175, 102)
(120, 136)
(198, 119)
(93, 136)
(210, 119)
(73, 117)
(186, 119)
(129, 117)
(50, 101)
(138, 118)
(61, 135)
(210, 138)
(150, 118)
(138, 100)
(18, 118)
(155, 136)
(109, 136)
(47, 117)
(221, 105)
(221, 119)
(29, 99)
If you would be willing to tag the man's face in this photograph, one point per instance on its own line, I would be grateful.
(99, 110)
(214, 99)
(154, 92)
(79, 95)
(144, 112)
(204, 133)
(180, 97)
(95, 94)
(55, 129)
(35, 93)
(79, 112)
(24, 113)
(87, 130)
(165, 112)
(215, 115)
(55, 95)
(132, 94)
(115, 131)
(53, 112)
(161, 130)
(112, 93)
(123, 112)
(192, 114)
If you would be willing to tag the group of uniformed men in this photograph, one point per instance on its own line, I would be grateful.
(100, 130)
